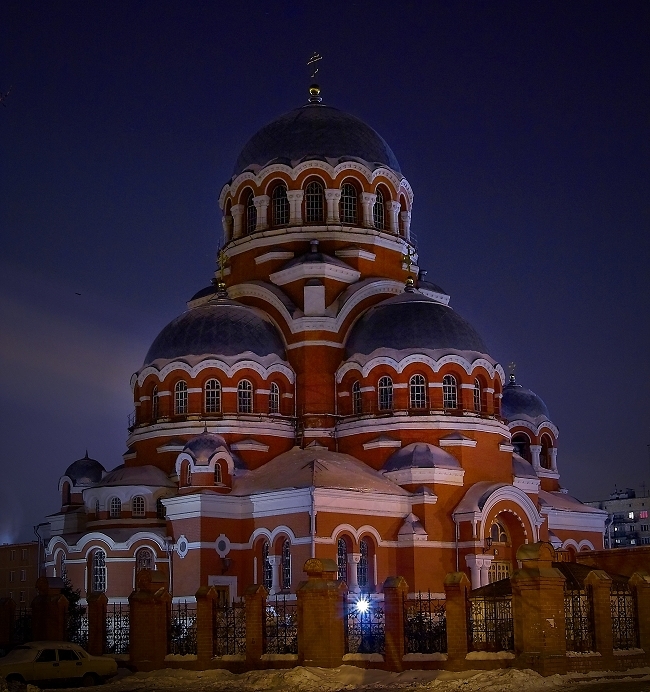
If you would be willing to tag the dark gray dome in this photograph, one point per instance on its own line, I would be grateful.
(315, 131)
(85, 471)
(224, 328)
(420, 455)
(520, 403)
(204, 446)
(412, 320)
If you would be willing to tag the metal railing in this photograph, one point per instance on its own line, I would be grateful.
(625, 622)
(364, 627)
(229, 629)
(579, 621)
(22, 626)
(117, 629)
(77, 628)
(489, 623)
(281, 626)
(425, 625)
(182, 629)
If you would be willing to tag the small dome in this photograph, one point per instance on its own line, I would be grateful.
(85, 471)
(319, 132)
(519, 403)
(203, 446)
(137, 475)
(412, 320)
(420, 455)
(223, 327)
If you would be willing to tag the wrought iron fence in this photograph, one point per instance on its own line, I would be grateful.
(281, 626)
(229, 629)
(117, 629)
(364, 627)
(77, 628)
(578, 614)
(489, 623)
(22, 628)
(182, 629)
(425, 625)
(625, 624)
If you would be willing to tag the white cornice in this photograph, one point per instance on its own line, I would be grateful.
(356, 252)
(274, 255)
(413, 475)
(382, 441)
(310, 270)
(424, 423)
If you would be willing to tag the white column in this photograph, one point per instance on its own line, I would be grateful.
(553, 453)
(237, 211)
(275, 562)
(474, 569)
(353, 563)
(405, 216)
(295, 198)
(226, 222)
(262, 206)
(255, 570)
(333, 197)
(368, 202)
(535, 451)
(393, 216)
(484, 568)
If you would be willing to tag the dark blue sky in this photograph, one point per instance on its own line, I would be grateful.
(522, 128)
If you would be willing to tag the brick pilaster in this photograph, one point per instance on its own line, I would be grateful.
(49, 610)
(255, 604)
(97, 606)
(206, 599)
(640, 582)
(600, 583)
(7, 615)
(150, 617)
(456, 587)
(395, 589)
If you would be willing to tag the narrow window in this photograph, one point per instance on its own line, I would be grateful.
(274, 398)
(498, 533)
(96, 509)
(357, 405)
(251, 214)
(418, 392)
(188, 475)
(137, 506)
(348, 204)
(180, 398)
(267, 574)
(245, 397)
(449, 392)
(98, 583)
(545, 453)
(385, 392)
(143, 559)
(217, 473)
(477, 394)
(155, 404)
(362, 567)
(115, 508)
(64, 569)
(521, 443)
(212, 396)
(280, 206)
(160, 509)
(342, 559)
(378, 211)
(314, 203)
(286, 565)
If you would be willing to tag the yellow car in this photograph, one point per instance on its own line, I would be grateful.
(39, 661)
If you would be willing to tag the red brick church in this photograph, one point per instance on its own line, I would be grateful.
(319, 398)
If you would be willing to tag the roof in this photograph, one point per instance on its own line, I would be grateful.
(315, 131)
(420, 455)
(223, 327)
(314, 467)
(565, 502)
(85, 471)
(522, 468)
(203, 447)
(412, 320)
(519, 403)
(137, 475)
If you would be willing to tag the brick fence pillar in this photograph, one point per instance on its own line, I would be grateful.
(49, 610)
(97, 607)
(321, 608)
(601, 583)
(456, 587)
(206, 599)
(395, 588)
(149, 620)
(255, 604)
(640, 583)
(538, 610)
(7, 615)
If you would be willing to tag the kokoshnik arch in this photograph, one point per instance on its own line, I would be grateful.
(319, 398)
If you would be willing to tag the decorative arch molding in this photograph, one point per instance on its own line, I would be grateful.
(570, 543)
(585, 544)
(216, 363)
(535, 429)
(519, 498)
(270, 536)
(65, 479)
(125, 493)
(217, 456)
(356, 533)
(96, 539)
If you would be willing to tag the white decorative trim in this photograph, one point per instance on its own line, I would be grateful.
(533, 428)
(356, 252)
(222, 545)
(274, 255)
(249, 444)
(381, 442)
(506, 447)
(194, 390)
(411, 475)
(182, 546)
(528, 485)
(321, 270)
(462, 442)
(387, 424)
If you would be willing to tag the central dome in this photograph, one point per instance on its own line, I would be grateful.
(317, 132)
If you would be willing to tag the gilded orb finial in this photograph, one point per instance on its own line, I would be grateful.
(409, 285)
(314, 89)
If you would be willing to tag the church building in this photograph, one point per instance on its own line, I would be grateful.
(319, 398)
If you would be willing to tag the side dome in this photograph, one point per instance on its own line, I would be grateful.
(137, 475)
(85, 471)
(411, 320)
(315, 131)
(223, 328)
(420, 455)
(519, 403)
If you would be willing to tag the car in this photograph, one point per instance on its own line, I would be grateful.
(52, 661)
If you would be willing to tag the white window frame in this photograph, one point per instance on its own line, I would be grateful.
(357, 400)
(349, 204)
(98, 571)
(476, 393)
(449, 392)
(417, 392)
(138, 507)
(251, 214)
(315, 202)
(212, 396)
(180, 398)
(274, 398)
(155, 404)
(115, 508)
(245, 396)
(379, 211)
(385, 393)
(280, 210)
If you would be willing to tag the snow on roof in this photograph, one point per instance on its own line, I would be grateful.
(421, 455)
(522, 468)
(562, 501)
(136, 475)
(476, 497)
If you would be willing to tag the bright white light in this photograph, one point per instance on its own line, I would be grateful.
(362, 605)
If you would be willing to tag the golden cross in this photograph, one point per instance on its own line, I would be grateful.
(512, 366)
(408, 258)
(314, 59)
(222, 262)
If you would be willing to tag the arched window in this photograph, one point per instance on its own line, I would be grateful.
(143, 559)
(212, 396)
(96, 509)
(98, 580)
(217, 473)
(280, 206)
(274, 398)
(348, 205)
(267, 568)
(286, 564)
(418, 392)
(160, 509)
(402, 208)
(155, 404)
(64, 569)
(245, 397)
(357, 405)
(379, 212)
(180, 398)
(521, 443)
(545, 459)
(498, 533)
(65, 494)
(314, 203)
(115, 511)
(137, 506)
(385, 394)
(188, 474)
(251, 214)
(362, 567)
(449, 392)
(477, 394)
(342, 559)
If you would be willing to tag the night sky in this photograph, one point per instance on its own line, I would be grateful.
(522, 128)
